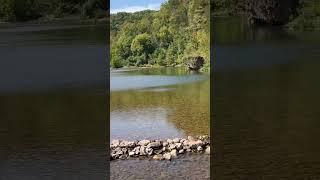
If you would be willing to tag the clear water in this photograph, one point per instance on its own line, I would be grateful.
(158, 104)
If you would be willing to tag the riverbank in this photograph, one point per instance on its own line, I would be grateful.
(159, 149)
(70, 20)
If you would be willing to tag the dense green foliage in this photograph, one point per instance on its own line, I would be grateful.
(180, 29)
(23, 10)
(308, 16)
(228, 7)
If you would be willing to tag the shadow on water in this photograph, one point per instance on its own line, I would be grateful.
(266, 99)
(52, 102)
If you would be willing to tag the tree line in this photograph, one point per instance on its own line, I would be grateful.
(306, 16)
(168, 37)
(24, 10)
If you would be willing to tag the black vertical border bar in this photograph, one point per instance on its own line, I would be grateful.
(107, 91)
(212, 92)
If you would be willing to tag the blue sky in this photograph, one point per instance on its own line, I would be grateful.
(134, 5)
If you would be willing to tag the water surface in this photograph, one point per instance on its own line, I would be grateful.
(52, 101)
(266, 102)
(158, 104)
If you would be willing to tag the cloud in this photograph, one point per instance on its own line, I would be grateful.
(132, 9)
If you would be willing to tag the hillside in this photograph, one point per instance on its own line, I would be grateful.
(180, 29)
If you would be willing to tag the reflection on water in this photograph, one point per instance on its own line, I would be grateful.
(52, 102)
(159, 106)
(266, 98)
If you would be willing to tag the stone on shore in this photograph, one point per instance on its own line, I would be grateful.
(167, 156)
(127, 144)
(207, 150)
(157, 149)
(143, 151)
(149, 151)
(173, 153)
(115, 143)
(158, 157)
(144, 142)
(155, 144)
(181, 151)
(176, 140)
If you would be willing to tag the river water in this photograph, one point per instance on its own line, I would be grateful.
(52, 101)
(159, 103)
(266, 102)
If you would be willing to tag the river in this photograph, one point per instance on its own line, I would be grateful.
(265, 102)
(159, 103)
(52, 101)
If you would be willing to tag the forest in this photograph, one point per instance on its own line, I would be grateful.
(25, 10)
(305, 16)
(168, 37)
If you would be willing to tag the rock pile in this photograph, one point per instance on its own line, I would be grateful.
(158, 149)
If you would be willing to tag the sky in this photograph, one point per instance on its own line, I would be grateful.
(134, 5)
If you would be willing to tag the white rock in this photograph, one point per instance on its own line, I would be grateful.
(179, 146)
(143, 142)
(199, 148)
(156, 144)
(158, 157)
(176, 140)
(165, 144)
(129, 144)
(194, 144)
(143, 151)
(115, 143)
(149, 151)
(207, 150)
(136, 150)
(131, 153)
(167, 156)
(181, 151)
(172, 146)
(173, 153)
(190, 138)
(169, 141)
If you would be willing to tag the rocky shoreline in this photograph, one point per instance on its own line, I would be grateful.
(159, 149)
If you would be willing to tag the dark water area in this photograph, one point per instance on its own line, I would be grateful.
(185, 167)
(53, 101)
(266, 97)
(159, 103)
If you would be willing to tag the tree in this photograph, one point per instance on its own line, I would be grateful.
(142, 44)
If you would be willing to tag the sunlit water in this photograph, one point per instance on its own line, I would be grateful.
(158, 104)
(266, 102)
